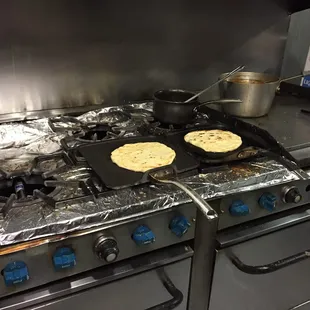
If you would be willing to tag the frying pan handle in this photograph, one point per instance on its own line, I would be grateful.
(203, 206)
(217, 101)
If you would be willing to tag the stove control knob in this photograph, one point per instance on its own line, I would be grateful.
(143, 235)
(179, 225)
(239, 208)
(268, 201)
(15, 273)
(64, 258)
(291, 194)
(106, 248)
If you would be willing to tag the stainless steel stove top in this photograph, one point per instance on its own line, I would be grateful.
(52, 205)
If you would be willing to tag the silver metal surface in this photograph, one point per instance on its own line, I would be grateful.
(256, 90)
(215, 83)
(297, 45)
(203, 262)
(282, 289)
(78, 59)
(40, 257)
(285, 122)
(92, 286)
(226, 239)
(32, 115)
(251, 199)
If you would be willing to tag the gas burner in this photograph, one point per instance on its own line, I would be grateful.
(112, 117)
(64, 123)
(95, 134)
(13, 167)
(158, 128)
(23, 187)
(139, 113)
(25, 190)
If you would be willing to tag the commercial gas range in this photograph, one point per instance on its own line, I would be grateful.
(67, 240)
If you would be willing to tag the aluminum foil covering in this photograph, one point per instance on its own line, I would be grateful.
(36, 220)
(33, 137)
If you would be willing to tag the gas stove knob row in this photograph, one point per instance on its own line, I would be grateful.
(106, 248)
(268, 201)
(143, 235)
(64, 258)
(15, 273)
(179, 225)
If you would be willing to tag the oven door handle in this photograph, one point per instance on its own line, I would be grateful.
(268, 268)
(172, 290)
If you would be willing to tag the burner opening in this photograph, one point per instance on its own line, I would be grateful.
(95, 134)
(24, 186)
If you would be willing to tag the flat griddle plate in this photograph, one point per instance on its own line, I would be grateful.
(98, 156)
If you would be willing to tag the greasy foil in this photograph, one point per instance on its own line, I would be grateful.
(75, 211)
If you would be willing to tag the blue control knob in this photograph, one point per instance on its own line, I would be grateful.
(15, 273)
(143, 235)
(179, 225)
(239, 208)
(268, 201)
(64, 258)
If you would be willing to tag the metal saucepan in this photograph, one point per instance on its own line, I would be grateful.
(170, 107)
(256, 90)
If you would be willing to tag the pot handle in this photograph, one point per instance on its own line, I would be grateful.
(291, 78)
(288, 79)
(217, 101)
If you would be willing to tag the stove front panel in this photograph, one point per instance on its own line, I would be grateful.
(51, 262)
(243, 207)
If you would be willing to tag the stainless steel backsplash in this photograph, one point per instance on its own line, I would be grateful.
(56, 54)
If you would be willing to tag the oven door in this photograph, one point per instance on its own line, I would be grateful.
(271, 272)
(155, 281)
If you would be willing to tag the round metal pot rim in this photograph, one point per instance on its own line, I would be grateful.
(159, 92)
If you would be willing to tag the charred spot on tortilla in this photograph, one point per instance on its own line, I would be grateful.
(215, 141)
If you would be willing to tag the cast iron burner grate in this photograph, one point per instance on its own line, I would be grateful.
(24, 189)
(70, 123)
(158, 128)
(24, 186)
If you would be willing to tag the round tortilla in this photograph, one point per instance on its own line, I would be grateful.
(143, 156)
(215, 141)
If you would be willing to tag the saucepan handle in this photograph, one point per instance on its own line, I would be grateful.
(203, 206)
(216, 101)
(288, 79)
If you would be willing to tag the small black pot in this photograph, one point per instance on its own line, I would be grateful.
(169, 106)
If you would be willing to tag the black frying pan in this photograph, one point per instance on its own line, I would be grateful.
(170, 107)
(98, 157)
(178, 138)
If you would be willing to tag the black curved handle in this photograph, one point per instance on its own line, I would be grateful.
(263, 269)
(172, 290)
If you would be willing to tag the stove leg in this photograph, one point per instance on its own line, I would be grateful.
(202, 263)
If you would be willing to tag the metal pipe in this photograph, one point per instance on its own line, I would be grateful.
(202, 262)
